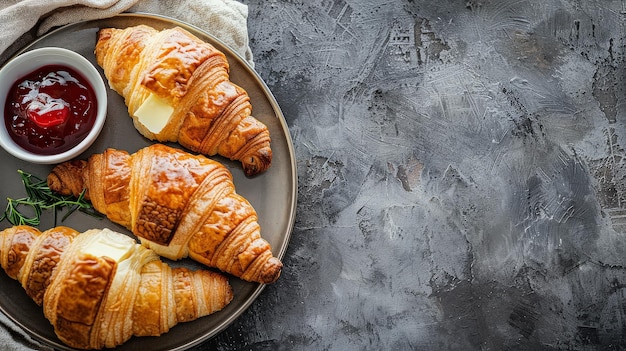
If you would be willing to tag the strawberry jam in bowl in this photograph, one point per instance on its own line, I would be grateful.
(53, 103)
(50, 110)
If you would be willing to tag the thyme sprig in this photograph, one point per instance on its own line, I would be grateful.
(39, 198)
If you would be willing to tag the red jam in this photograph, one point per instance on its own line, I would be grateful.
(50, 110)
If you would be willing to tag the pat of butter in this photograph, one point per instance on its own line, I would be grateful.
(110, 244)
(154, 114)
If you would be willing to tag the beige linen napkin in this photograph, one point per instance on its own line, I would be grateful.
(23, 20)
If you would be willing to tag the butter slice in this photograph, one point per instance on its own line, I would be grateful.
(110, 244)
(154, 114)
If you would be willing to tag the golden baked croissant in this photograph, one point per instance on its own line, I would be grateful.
(99, 288)
(177, 88)
(178, 204)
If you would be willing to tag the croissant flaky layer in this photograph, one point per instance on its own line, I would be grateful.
(178, 204)
(177, 88)
(99, 288)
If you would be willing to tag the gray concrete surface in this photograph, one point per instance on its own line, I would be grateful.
(461, 175)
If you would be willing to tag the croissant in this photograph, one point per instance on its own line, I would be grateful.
(178, 204)
(177, 88)
(99, 288)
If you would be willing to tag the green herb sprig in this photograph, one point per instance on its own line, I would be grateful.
(39, 198)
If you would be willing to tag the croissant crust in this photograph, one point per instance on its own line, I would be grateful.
(99, 288)
(211, 115)
(178, 204)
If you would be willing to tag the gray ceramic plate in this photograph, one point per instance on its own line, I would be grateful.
(273, 193)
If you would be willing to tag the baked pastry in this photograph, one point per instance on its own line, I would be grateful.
(178, 204)
(99, 288)
(177, 88)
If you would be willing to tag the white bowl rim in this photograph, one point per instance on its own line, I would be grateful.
(81, 65)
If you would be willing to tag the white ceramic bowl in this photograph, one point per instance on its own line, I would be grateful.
(30, 61)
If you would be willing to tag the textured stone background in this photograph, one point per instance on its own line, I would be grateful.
(461, 175)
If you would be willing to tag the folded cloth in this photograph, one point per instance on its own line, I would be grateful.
(225, 19)
(24, 20)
